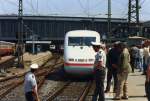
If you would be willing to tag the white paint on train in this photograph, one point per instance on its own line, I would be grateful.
(78, 51)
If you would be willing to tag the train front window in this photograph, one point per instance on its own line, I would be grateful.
(87, 41)
(81, 41)
(75, 41)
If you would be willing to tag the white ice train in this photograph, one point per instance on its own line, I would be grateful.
(78, 51)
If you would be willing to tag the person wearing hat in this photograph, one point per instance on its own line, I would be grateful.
(99, 71)
(30, 84)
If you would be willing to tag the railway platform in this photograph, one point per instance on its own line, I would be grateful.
(136, 88)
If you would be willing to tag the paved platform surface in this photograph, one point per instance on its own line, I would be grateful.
(136, 89)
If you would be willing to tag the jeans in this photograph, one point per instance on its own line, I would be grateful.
(111, 73)
(140, 64)
(99, 90)
(29, 96)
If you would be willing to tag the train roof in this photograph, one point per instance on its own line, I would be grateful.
(81, 33)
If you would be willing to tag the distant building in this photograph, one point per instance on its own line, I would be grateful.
(53, 28)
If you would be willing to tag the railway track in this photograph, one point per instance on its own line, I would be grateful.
(65, 91)
(70, 91)
(6, 62)
(17, 82)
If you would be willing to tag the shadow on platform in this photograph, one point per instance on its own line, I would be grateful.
(137, 96)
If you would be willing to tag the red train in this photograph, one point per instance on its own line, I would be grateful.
(6, 48)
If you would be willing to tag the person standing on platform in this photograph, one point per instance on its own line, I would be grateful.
(146, 56)
(134, 53)
(112, 65)
(140, 57)
(134, 59)
(147, 82)
(30, 84)
(124, 68)
(99, 71)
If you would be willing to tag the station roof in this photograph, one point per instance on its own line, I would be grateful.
(63, 18)
(39, 42)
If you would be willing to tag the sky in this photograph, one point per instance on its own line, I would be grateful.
(87, 8)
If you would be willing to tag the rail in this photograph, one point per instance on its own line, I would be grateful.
(63, 89)
(85, 92)
(6, 63)
(41, 73)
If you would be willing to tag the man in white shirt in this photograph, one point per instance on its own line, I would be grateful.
(30, 84)
(99, 66)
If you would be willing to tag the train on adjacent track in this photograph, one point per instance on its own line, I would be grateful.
(7, 48)
(78, 51)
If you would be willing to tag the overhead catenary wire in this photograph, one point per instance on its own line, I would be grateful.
(87, 7)
(98, 3)
(26, 26)
(12, 2)
(34, 7)
(29, 2)
(142, 2)
(37, 7)
(123, 11)
(3, 7)
(52, 6)
(82, 7)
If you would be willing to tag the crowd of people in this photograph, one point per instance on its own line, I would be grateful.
(120, 60)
